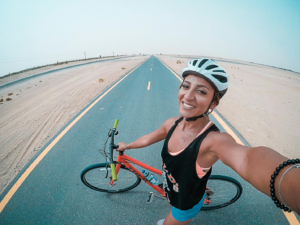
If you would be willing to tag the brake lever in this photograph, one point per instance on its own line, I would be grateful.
(109, 133)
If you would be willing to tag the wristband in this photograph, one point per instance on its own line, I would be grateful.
(272, 182)
(127, 146)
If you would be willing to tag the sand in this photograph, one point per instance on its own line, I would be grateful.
(262, 103)
(11, 78)
(41, 106)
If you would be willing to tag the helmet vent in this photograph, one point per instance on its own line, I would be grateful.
(220, 78)
(202, 62)
(222, 71)
(211, 67)
(194, 63)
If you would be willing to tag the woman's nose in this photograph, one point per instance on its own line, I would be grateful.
(189, 94)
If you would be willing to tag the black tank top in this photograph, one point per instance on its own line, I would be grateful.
(182, 185)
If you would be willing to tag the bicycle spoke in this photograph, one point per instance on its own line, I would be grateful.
(222, 191)
(99, 178)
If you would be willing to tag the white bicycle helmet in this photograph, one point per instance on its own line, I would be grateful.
(209, 70)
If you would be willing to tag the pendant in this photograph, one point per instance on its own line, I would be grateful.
(185, 140)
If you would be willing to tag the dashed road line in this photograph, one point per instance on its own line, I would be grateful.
(19, 182)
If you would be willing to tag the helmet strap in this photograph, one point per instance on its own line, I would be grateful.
(194, 118)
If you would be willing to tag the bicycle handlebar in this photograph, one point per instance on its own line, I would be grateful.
(112, 146)
(116, 123)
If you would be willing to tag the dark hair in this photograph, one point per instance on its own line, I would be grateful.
(217, 98)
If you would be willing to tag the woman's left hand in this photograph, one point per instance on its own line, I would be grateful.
(122, 147)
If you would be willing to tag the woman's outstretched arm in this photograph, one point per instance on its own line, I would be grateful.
(256, 165)
(149, 139)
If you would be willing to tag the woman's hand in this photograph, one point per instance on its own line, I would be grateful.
(149, 139)
(122, 147)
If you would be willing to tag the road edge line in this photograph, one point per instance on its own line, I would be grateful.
(22, 178)
(289, 216)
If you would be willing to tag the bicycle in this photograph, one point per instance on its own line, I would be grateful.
(221, 190)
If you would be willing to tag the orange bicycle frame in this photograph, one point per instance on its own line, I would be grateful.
(127, 160)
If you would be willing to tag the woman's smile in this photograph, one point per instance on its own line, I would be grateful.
(187, 105)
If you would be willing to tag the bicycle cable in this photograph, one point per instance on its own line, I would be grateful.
(105, 154)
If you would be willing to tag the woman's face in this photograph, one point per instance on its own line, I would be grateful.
(195, 95)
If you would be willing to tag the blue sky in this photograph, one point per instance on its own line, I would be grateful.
(35, 33)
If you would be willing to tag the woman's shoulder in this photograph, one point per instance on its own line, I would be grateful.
(218, 140)
(217, 136)
(170, 122)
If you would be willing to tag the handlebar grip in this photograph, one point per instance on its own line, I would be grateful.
(113, 172)
(116, 123)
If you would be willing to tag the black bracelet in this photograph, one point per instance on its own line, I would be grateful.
(272, 183)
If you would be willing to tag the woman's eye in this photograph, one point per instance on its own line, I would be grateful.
(185, 86)
(201, 92)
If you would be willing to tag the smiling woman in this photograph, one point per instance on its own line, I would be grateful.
(193, 144)
(214, 80)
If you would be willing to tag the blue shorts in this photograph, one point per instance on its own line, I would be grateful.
(185, 215)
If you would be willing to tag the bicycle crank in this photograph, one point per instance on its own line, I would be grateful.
(152, 195)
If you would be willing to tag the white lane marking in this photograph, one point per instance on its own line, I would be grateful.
(148, 86)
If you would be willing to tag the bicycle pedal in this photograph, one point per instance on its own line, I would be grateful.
(150, 198)
(209, 193)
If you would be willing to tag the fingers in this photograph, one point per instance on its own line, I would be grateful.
(122, 147)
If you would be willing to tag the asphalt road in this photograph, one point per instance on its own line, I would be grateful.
(54, 194)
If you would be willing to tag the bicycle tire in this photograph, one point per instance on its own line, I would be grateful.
(226, 191)
(98, 177)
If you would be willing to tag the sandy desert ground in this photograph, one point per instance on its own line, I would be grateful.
(9, 79)
(41, 106)
(262, 102)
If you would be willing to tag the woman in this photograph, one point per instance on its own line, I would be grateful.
(193, 144)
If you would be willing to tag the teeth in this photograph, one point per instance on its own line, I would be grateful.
(187, 106)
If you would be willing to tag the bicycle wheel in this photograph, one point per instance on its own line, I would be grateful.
(98, 177)
(222, 191)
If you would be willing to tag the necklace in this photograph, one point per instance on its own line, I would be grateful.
(186, 138)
